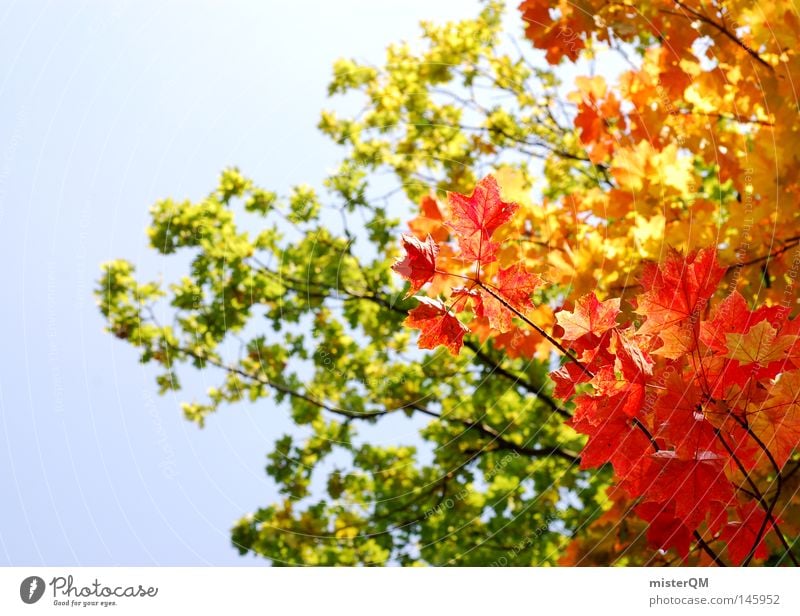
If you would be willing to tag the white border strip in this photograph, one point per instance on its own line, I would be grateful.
(406, 592)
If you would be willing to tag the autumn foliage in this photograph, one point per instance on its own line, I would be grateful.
(689, 389)
(602, 272)
(694, 405)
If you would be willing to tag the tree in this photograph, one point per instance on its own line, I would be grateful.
(655, 251)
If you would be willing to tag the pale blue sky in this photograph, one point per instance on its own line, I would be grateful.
(106, 106)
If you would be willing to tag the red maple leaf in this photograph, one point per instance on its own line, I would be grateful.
(464, 295)
(437, 325)
(676, 342)
(717, 374)
(741, 534)
(476, 217)
(730, 315)
(419, 264)
(678, 290)
(510, 295)
(665, 530)
(680, 418)
(478, 247)
(692, 486)
(598, 111)
(548, 32)
(518, 342)
(612, 437)
(566, 378)
(632, 361)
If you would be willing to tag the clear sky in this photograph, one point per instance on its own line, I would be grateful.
(106, 106)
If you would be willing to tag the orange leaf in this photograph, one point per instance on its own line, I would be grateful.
(759, 345)
(475, 218)
(590, 316)
(437, 326)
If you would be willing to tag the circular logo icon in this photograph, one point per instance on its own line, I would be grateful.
(31, 589)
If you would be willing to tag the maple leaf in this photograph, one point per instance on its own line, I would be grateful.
(790, 328)
(512, 292)
(678, 290)
(676, 341)
(519, 342)
(590, 91)
(549, 34)
(430, 221)
(590, 316)
(477, 247)
(516, 284)
(740, 535)
(631, 359)
(612, 436)
(730, 315)
(665, 530)
(607, 384)
(566, 378)
(597, 112)
(717, 374)
(419, 264)
(476, 217)
(463, 295)
(595, 359)
(777, 420)
(692, 486)
(437, 325)
(680, 418)
(759, 345)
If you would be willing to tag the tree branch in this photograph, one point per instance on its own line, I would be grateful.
(564, 351)
(517, 379)
(725, 32)
(502, 442)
